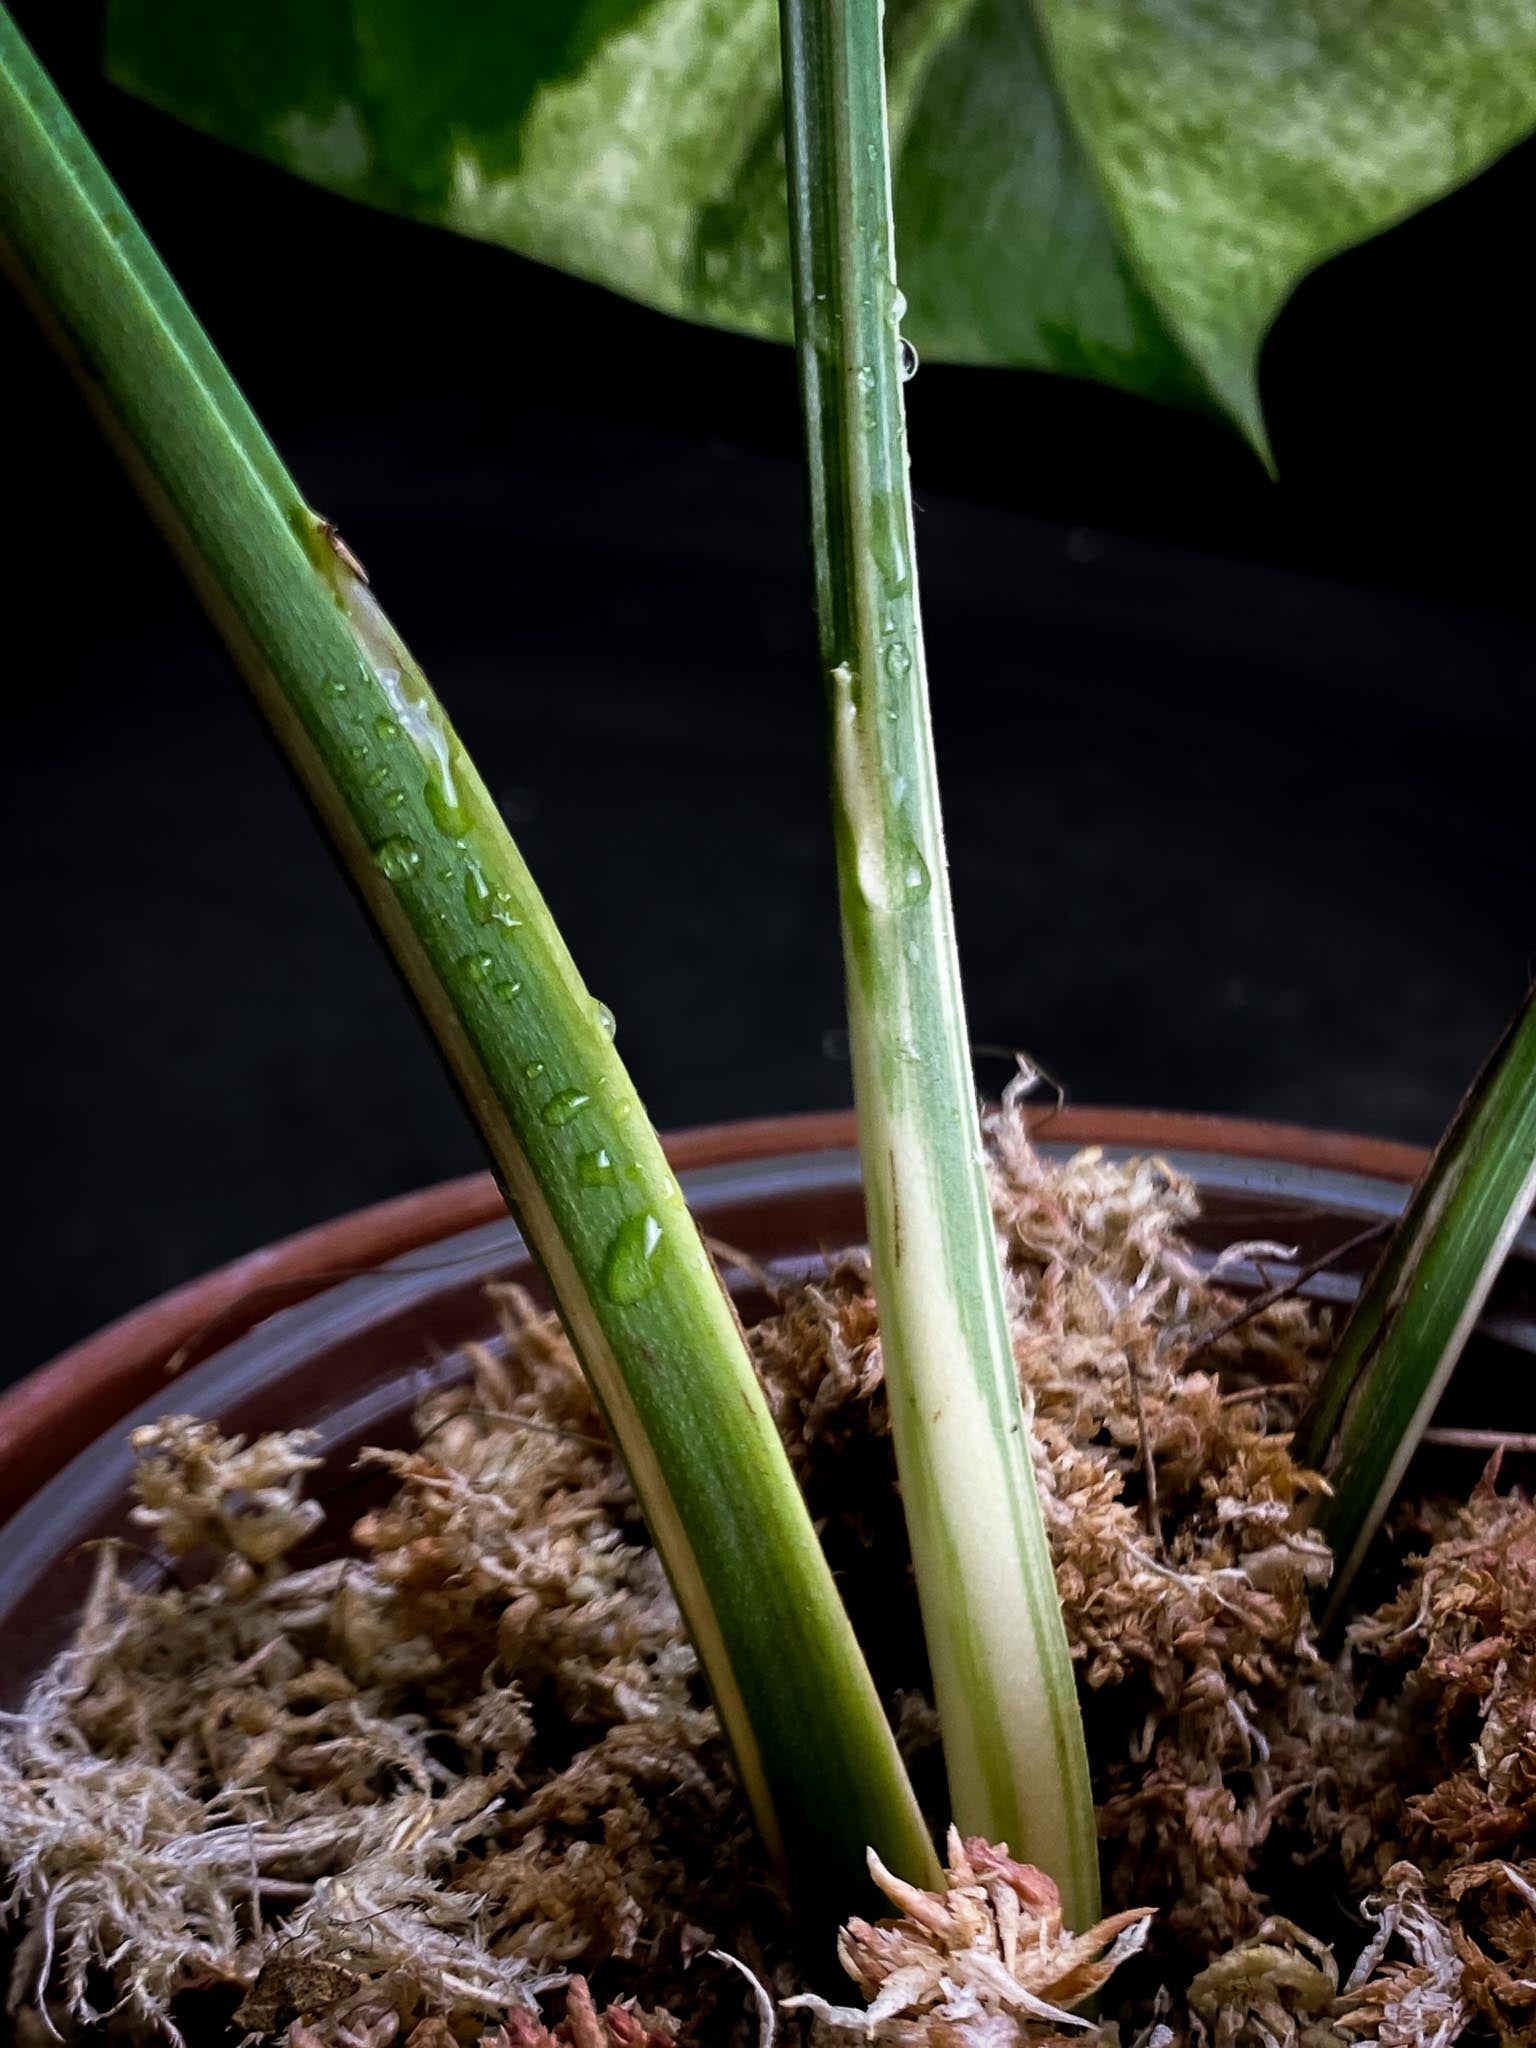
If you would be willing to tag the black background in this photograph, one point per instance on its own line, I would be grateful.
(1238, 775)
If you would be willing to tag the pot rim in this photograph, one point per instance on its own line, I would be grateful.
(56, 1411)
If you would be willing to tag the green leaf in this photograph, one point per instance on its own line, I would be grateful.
(1416, 1311)
(1126, 190)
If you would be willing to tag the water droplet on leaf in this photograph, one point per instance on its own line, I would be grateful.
(448, 814)
(595, 1169)
(909, 360)
(630, 1271)
(487, 905)
(561, 1108)
(397, 858)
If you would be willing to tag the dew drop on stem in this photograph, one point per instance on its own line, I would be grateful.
(629, 1272)
(448, 814)
(487, 905)
(397, 858)
(562, 1108)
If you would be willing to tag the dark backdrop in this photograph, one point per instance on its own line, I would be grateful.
(1238, 775)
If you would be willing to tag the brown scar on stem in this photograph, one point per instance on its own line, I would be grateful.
(340, 548)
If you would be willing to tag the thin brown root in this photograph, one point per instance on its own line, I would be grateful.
(1286, 1288)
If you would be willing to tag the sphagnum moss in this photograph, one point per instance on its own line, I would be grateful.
(418, 1786)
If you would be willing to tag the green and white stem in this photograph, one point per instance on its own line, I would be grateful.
(1012, 1733)
(529, 1048)
(1419, 1306)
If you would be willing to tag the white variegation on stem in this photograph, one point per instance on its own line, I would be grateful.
(1012, 1733)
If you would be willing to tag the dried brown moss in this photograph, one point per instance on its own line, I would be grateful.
(398, 1796)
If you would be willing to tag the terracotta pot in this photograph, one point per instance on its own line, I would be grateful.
(342, 1328)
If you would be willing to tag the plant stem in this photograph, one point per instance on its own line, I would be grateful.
(1013, 1738)
(527, 1045)
(1422, 1301)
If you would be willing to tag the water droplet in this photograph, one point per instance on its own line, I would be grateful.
(532, 1071)
(866, 377)
(595, 1169)
(337, 685)
(898, 305)
(397, 858)
(561, 1108)
(477, 895)
(377, 777)
(507, 991)
(888, 539)
(395, 799)
(487, 905)
(908, 358)
(898, 658)
(386, 727)
(606, 1021)
(359, 750)
(915, 878)
(477, 966)
(630, 1271)
(448, 814)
